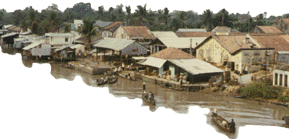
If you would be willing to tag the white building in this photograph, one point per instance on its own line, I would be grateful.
(59, 39)
(280, 78)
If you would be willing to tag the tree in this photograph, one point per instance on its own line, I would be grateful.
(140, 15)
(128, 11)
(166, 15)
(67, 28)
(207, 20)
(88, 30)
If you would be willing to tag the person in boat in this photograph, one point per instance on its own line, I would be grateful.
(115, 71)
(128, 76)
(225, 124)
(122, 66)
(215, 112)
(232, 124)
(152, 97)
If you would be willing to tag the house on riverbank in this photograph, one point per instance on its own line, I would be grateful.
(37, 50)
(64, 53)
(8, 39)
(241, 53)
(59, 39)
(173, 63)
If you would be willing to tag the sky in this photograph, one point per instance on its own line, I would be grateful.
(276, 8)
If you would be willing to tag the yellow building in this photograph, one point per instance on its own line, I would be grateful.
(241, 51)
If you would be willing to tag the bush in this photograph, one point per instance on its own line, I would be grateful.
(283, 98)
(261, 89)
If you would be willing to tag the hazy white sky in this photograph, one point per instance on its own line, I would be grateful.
(278, 7)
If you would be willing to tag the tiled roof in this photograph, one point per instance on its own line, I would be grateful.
(139, 31)
(172, 53)
(194, 34)
(279, 42)
(233, 43)
(15, 28)
(112, 27)
(286, 20)
(191, 30)
(270, 29)
(221, 29)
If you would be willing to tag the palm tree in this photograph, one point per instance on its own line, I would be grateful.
(207, 20)
(141, 14)
(88, 30)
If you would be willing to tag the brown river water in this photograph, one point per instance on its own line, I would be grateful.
(244, 112)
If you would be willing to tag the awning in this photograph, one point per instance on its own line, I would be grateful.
(8, 35)
(139, 58)
(154, 62)
(195, 66)
(31, 46)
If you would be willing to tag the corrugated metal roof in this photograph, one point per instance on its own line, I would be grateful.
(59, 34)
(9, 35)
(172, 53)
(181, 43)
(139, 32)
(62, 47)
(154, 62)
(191, 30)
(283, 52)
(139, 58)
(20, 39)
(113, 43)
(32, 45)
(221, 29)
(194, 34)
(77, 46)
(159, 34)
(195, 66)
(7, 26)
(102, 23)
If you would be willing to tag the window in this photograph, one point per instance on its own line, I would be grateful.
(276, 78)
(286, 79)
(66, 39)
(280, 83)
(134, 50)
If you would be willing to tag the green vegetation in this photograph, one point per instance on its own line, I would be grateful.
(261, 89)
(52, 19)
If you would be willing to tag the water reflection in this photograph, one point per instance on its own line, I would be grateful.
(243, 111)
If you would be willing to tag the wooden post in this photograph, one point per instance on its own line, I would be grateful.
(120, 57)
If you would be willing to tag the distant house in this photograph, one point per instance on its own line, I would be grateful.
(14, 29)
(191, 30)
(266, 29)
(59, 39)
(77, 24)
(79, 49)
(279, 42)
(38, 50)
(64, 53)
(3, 31)
(221, 30)
(8, 39)
(20, 43)
(240, 53)
(102, 24)
(134, 33)
(195, 34)
(125, 47)
(177, 61)
(283, 25)
(110, 29)
(166, 39)
(281, 77)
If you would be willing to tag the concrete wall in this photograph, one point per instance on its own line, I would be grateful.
(279, 78)
(61, 40)
(134, 49)
(212, 51)
(120, 33)
(107, 34)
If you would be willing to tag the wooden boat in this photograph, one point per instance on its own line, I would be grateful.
(242, 96)
(112, 80)
(153, 102)
(220, 121)
(127, 77)
(286, 118)
(101, 81)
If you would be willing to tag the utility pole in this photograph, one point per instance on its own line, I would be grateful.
(191, 53)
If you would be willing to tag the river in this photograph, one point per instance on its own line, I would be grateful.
(244, 112)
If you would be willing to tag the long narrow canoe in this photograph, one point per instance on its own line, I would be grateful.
(220, 120)
(153, 102)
